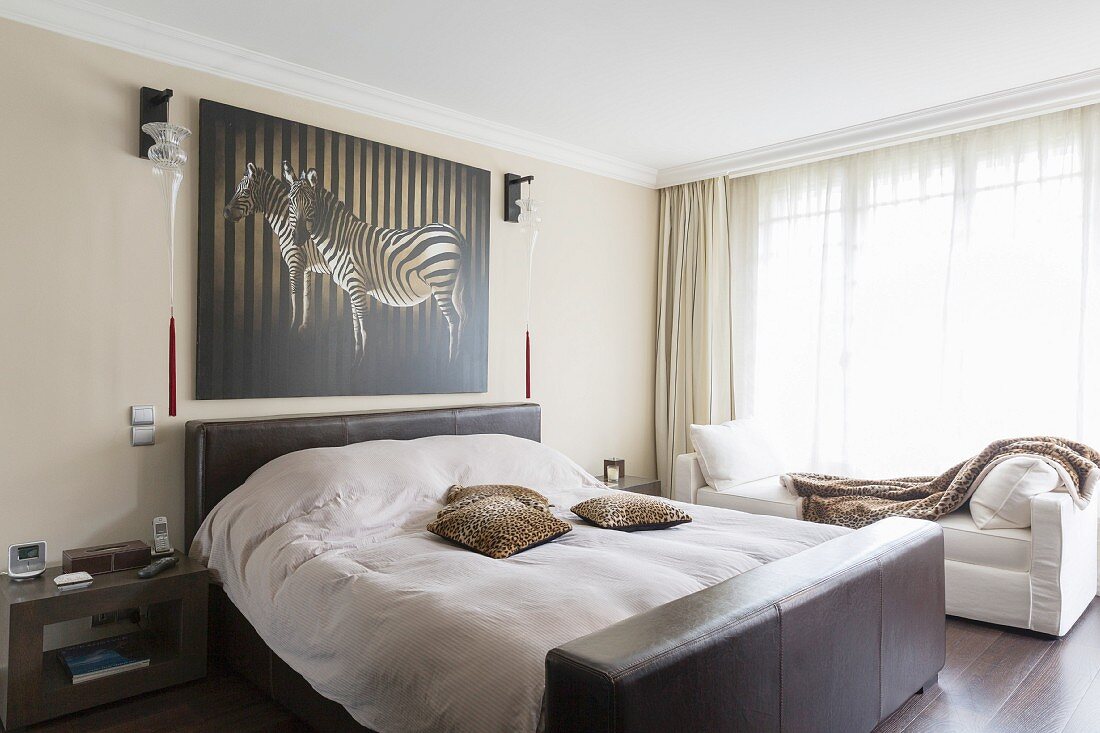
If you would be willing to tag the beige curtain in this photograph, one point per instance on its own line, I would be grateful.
(707, 231)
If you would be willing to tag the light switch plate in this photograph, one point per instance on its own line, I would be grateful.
(143, 436)
(143, 415)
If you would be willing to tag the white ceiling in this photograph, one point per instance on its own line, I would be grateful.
(662, 83)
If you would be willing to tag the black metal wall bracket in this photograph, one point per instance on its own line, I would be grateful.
(152, 108)
(512, 191)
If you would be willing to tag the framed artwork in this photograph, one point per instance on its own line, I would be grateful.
(334, 265)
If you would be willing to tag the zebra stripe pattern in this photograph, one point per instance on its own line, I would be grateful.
(245, 346)
(258, 190)
(398, 267)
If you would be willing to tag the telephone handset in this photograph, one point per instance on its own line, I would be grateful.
(161, 544)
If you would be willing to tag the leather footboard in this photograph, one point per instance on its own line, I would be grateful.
(834, 638)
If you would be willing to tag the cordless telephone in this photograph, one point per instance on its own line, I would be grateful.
(161, 545)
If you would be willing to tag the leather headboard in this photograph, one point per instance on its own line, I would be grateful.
(221, 454)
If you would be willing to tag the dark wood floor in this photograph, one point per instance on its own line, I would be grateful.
(999, 679)
(995, 679)
(222, 702)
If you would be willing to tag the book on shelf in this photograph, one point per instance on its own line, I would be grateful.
(105, 657)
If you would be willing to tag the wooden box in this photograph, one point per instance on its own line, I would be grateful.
(106, 558)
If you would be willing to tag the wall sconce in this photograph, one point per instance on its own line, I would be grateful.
(526, 210)
(513, 189)
(153, 107)
(168, 157)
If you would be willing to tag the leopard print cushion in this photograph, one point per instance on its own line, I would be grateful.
(629, 512)
(499, 526)
(461, 496)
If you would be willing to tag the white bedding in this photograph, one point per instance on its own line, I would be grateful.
(325, 552)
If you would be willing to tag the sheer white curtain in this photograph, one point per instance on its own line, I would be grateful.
(908, 305)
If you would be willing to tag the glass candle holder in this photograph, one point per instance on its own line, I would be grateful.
(167, 149)
(168, 158)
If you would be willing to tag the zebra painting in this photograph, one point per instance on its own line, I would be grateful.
(373, 281)
(260, 191)
(398, 267)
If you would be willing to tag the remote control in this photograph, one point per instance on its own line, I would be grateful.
(158, 566)
(72, 581)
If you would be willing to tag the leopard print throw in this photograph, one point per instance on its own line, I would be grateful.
(855, 503)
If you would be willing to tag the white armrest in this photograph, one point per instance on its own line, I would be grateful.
(687, 478)
(1063, 560)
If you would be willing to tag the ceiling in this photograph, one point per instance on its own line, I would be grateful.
(662, 83)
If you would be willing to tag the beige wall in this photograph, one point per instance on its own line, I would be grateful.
(83, 294)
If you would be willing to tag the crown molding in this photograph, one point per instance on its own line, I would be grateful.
(1054, 95)
(90, 22)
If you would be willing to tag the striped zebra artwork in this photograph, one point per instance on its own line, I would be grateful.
(390, 294)
(398, 267)
(260, 191)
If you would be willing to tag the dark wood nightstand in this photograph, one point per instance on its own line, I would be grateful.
(36, 620)
(637, 484)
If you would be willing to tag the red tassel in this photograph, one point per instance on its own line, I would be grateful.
(172, 366)
(528, 365)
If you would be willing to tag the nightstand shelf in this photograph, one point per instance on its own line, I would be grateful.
(55, 678)
(37, 621)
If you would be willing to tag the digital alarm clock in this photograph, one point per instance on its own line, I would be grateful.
(27, 560)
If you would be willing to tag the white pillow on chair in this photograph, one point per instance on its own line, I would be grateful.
(1002, 499)
(733, 453)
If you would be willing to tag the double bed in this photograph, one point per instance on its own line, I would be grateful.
(333, 598)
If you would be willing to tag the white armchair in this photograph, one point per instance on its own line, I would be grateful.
(1040, 578)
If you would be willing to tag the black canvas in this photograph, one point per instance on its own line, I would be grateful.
(251, 337)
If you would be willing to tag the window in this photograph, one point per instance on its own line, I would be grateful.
(913, 303)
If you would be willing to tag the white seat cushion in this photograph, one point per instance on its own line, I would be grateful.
(763, 496)
(1008, 549)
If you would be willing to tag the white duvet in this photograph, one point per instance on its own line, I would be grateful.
(325, 552)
